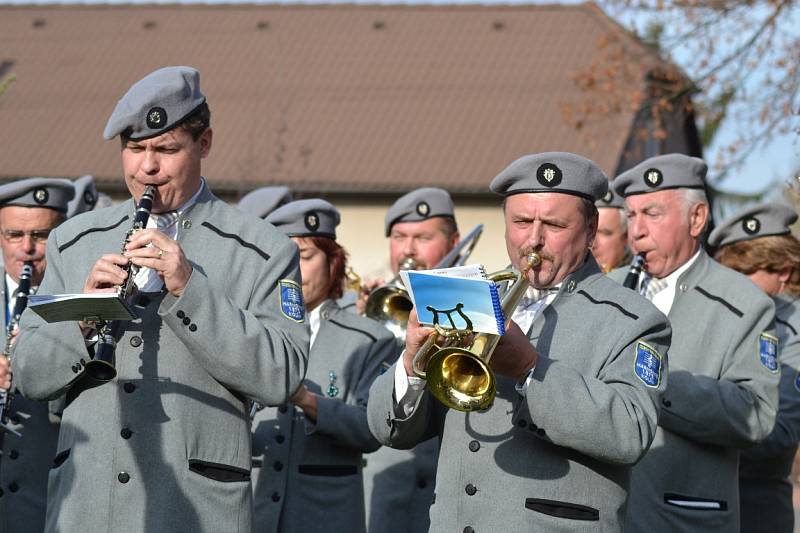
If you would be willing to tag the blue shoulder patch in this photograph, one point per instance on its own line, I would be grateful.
(768, 351)
(797, 381)
(291, 296)
(648, 364)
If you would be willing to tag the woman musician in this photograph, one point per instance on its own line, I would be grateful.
(307, 454)
(758, 243)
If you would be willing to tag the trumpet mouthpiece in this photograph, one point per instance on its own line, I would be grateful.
(533, 260)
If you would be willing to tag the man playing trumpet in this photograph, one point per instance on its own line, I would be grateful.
(574, 407)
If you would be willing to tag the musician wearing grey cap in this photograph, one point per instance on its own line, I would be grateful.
(307, 451)
(573, 409)
(164, 444)
(758, 243)
(264, 200)
(610, 247)
(29, 210)
(422, 230)
(722, 393)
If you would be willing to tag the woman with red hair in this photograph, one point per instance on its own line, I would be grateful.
(758, 243)
(307, 454)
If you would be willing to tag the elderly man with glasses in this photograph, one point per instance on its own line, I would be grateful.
(29, 209)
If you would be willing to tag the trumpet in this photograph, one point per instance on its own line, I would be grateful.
(21, 303)
(101, 366)
(390, 305)
(459, 376)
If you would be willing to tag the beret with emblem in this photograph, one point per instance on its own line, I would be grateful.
(312, 217)
(156, 104)
(418, 205)
(263, 201)
(86, 196)
(762, 220)
(611, 199)
(670, 171)
(38, 192)
(561, 172)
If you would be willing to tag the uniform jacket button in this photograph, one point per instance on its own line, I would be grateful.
(522, 423)
(421, 483)
(276, 497)
(540, 432)
(13, 454)
(125, 433)
(76, 368)
(129, 387)
(278, 466)
(187, 321)
(470, 489)
(666, 403)
(193, 327)
(180, 313)
(136, 341)
(279, 439)
(474, 446)
(13, 487)
(123, 477)
(282, 408)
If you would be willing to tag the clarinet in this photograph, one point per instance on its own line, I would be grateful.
(23, 291)
(632, 279)
(101, 366)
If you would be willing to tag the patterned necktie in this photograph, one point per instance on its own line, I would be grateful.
(165, 221)
(654, 286)
(533, 295)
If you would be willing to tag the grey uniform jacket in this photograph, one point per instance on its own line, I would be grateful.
(307, 476)
(764, 487)
(720, 398)
(26, 460)
(398, 484)
(165, 446)
(557, 458)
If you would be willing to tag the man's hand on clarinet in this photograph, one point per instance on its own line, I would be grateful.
(165, 256)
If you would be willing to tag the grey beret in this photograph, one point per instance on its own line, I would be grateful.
(155, 104)
(611, 199)
(758, 221)
(38, 192)
(552, 172)
(670, 171)
(312, 217)
(261, 202)
(418, 205)
(85, 196)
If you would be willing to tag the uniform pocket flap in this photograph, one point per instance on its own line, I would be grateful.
(692, 502)
(572, 511)
(328, 470)
(60, 457)
(219, 472)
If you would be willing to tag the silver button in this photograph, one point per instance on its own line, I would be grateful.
(186, 223)
(684, 287)
(571, 285)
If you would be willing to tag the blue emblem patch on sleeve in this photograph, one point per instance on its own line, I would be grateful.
(291, 296)
(768, 351)
(797, 382)
(648, 364)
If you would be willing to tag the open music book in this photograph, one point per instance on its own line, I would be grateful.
(456, 298)
(87, 307)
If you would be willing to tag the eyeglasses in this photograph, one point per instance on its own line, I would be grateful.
(16, 235)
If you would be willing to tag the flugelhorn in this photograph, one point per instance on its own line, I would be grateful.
(23, 290)
(458, 372)
(390, 305)
(101, 366)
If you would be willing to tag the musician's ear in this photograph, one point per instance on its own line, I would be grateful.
(205, 142)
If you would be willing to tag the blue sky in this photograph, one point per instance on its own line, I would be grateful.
(777, 162)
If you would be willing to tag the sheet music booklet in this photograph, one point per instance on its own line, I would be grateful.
(89, 307)
(456, 297)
